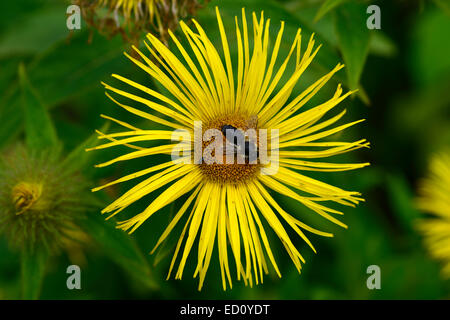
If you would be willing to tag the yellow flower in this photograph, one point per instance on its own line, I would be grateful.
(230, 203)
(132, 17)
(434, 199)
(136, 9)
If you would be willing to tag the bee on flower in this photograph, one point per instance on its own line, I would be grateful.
(230, 205)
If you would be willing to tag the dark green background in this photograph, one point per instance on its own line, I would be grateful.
(405, 97)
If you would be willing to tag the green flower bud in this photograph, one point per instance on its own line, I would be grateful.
(40, 204)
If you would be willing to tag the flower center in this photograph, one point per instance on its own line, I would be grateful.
(229, 172)
(25, 195)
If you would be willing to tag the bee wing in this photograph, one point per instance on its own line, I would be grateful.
(230, 148)
(252, 122)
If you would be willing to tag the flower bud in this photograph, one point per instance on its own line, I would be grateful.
(132, 17)
(40, 203)
(26, 196)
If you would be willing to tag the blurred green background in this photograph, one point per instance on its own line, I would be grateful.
(403, 72)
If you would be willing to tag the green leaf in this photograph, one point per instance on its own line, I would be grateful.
(31, 36)
(12, 13)
(444, 5)
(401, 198)
(78, 157)
(33, 271)
(121, 248)
(428, 55)
(354, 39)
(382, 45)
(39, 129)
(89, 65)
(326, 7)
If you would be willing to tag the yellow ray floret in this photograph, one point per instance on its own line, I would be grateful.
(231, 207)
(435, 199)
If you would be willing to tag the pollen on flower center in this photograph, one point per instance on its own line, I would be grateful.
(25, 195)
(224, 172)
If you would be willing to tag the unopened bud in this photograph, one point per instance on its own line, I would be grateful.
(25, 195)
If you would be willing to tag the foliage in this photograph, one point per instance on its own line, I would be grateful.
(50, 94)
